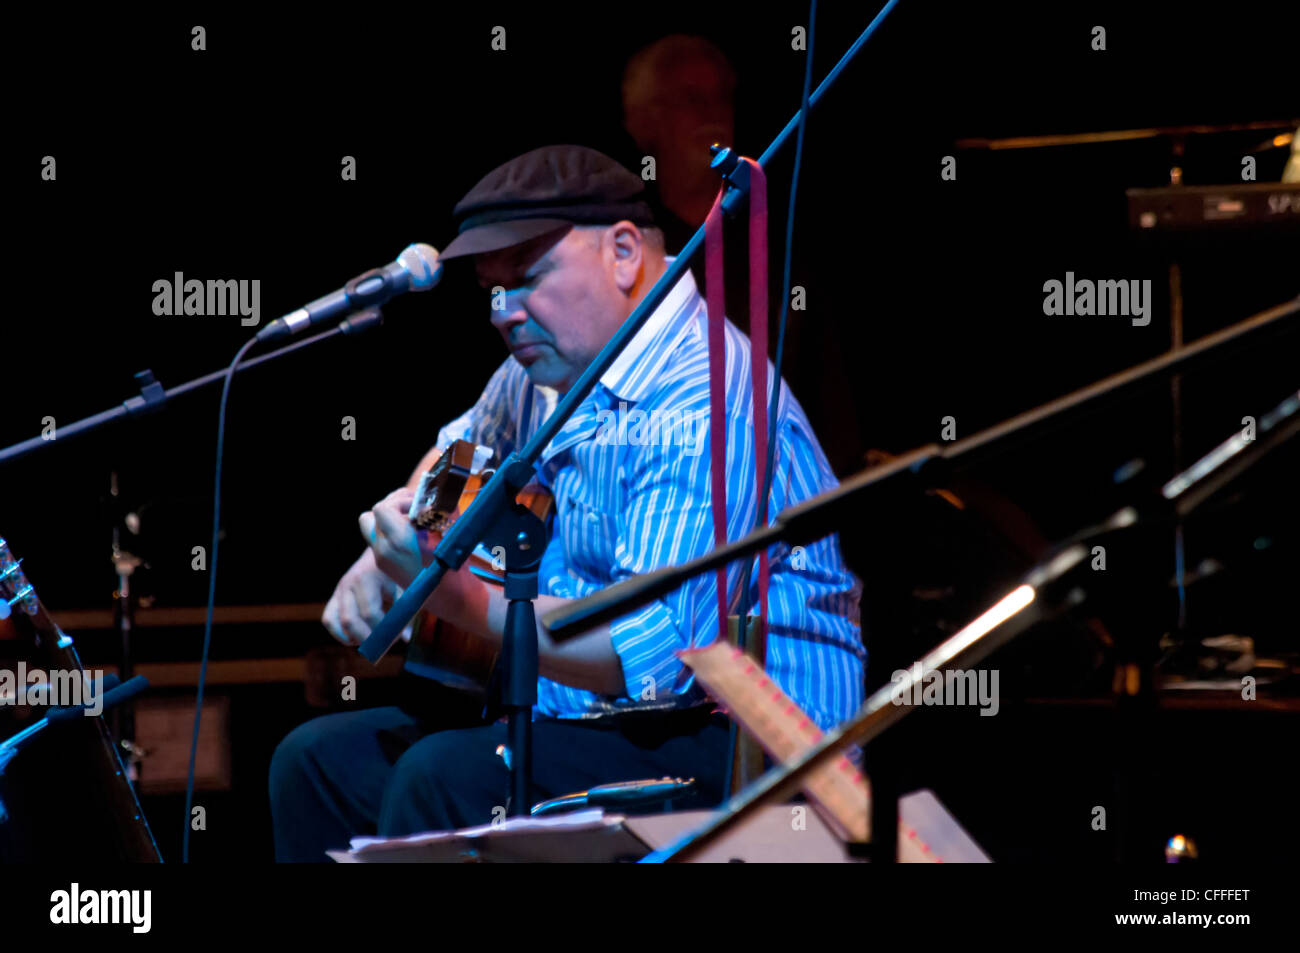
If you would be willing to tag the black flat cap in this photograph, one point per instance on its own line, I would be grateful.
(542, 191)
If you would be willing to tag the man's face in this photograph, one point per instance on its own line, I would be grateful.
(562, 300)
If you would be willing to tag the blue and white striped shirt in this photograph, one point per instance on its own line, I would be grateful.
(630, 476)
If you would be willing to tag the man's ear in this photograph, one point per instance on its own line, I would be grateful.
(629, 254)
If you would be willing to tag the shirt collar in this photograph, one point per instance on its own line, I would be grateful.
(636, 370)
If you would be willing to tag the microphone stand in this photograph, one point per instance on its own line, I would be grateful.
(152, 396)
(991, 630)
(819, 517)
(125, 601)
(521, 534)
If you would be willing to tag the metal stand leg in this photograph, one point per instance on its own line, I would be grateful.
(519, 685)
(521, 536)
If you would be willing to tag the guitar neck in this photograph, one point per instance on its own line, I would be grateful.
(132, 840)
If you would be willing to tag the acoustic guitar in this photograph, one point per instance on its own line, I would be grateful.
(438, 650)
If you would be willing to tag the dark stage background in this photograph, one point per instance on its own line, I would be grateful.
(924, 299)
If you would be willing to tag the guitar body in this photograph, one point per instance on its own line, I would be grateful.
(446, 654)
(438, 650)
(67, 795)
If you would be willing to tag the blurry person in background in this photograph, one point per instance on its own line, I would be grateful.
(679, 96)
(678, 99)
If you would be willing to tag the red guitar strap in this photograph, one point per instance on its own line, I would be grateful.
(716, 301)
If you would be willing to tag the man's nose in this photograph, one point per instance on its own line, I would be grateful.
(508, 310)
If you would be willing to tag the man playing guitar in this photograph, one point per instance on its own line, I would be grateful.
(564, 240)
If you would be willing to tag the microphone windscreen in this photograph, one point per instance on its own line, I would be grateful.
(422, 264)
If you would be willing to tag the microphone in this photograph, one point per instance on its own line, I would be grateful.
(120, 692)
(39, 695)
(416, 269)
(114, 696)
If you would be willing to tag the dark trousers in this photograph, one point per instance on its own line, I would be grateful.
(393, 771)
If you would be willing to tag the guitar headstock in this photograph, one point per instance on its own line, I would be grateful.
(16, 593)
(437, 499)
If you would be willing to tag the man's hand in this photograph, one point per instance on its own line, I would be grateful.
(360, 600)
(365, 592)
(400, 551)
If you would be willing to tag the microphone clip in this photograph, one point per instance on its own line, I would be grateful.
(370, 288)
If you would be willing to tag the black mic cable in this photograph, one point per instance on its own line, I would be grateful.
(416, 269)
(212, 590)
